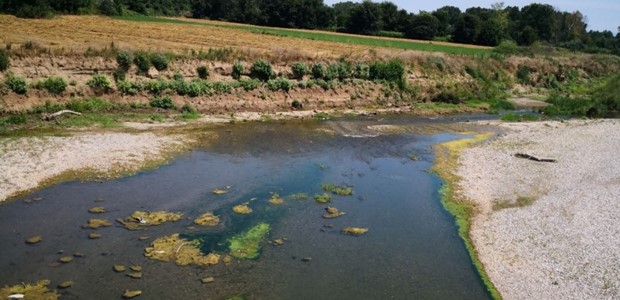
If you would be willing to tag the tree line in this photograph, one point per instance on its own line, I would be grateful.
(481, 26)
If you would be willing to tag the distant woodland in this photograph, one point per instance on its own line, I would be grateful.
(534, 23)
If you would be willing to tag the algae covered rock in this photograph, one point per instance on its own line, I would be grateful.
(33, 240)
(97, 210)
(136, 268)
(207, 219)
(141, 219)
(135, 275)
(354, 230)
(36, 291)
(209, 279)
(242, 209)
(96, 223)
(338, 190)
(332, 212)
(247, 244)
(128, 294)
(182, 252)
(323, 198)
(276, 199)
(94, 235)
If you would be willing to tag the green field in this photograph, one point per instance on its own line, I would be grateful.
(325, 36)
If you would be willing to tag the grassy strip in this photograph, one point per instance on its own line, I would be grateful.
(325, 36)
(446, 164)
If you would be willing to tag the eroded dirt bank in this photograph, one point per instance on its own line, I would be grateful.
(548, 230)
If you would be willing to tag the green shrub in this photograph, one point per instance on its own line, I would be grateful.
(17, 84)
(222, 87)
(192, 88)
(188, 109)
(237, 70)
(361, 71)
(318, 71)
(100, 84)
(128, 87)
(507, 47)
(299, 70)
(155, 86)
(577, 107)
(296, 104)
(249, 84)
(203, 72)
(261, 70)
(392, 71)
(523, 74)
(325, 84)
(94, 105)
(159, 61)
(475, 73)
(123, 59)
(119, 74)
(142, 61)
(279, 84)
(54, 85)
(162, 102)
(177, 76)
(332, 72)
(4, 60)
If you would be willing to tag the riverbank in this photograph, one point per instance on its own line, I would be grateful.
(30, 162)
(547, 230)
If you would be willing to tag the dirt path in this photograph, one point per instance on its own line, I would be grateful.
(548, 230)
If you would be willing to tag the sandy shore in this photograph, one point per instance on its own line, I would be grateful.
(27, 162)
(548, 230)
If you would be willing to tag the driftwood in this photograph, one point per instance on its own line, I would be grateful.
(527, 156)
(50, 117)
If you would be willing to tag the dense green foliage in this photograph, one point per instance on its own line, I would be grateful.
(237, 70)
(162, 102)
(299, 70)
(261, 70)
(54, 85)
(100, 84)
(203, 72)
(159, 61)
(602, 101)
(17, 84)
(123, 59)
(142, 60)
(4, 60)
(483, 26)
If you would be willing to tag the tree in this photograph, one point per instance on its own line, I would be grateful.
(528, 36)
(491, 33)
(423, 27)
(365, 18)
(447, 16)
(540, 18)
(467, 29)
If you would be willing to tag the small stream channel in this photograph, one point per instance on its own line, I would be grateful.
(411, 251)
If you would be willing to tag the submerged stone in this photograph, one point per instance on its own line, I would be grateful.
(209, 279)
(33, 240)
(97, 210)
(38, 291)
(276, 199)
(207, 219)
(219, 191)
(247, 244)
(136, 268)
(128, 294)
(182, 252)
(299, 196)
(119, 268)
(354, 230)
(242, 209)
(135, 275)
(332, 212)
(94, 235)
(96, 223)
(66, 284)
(141, 219)
(78, 254)
(278, 242)
(65, 259)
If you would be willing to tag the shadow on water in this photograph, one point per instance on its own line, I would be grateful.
(411, 251)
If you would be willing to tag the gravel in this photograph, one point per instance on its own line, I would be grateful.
(27, 162)
(565, 245)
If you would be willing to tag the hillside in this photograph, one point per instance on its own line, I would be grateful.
(76, 48)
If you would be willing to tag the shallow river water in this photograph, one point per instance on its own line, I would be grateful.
(411, 251)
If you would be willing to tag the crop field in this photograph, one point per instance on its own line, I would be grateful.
(69, 34)
(316, 35)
